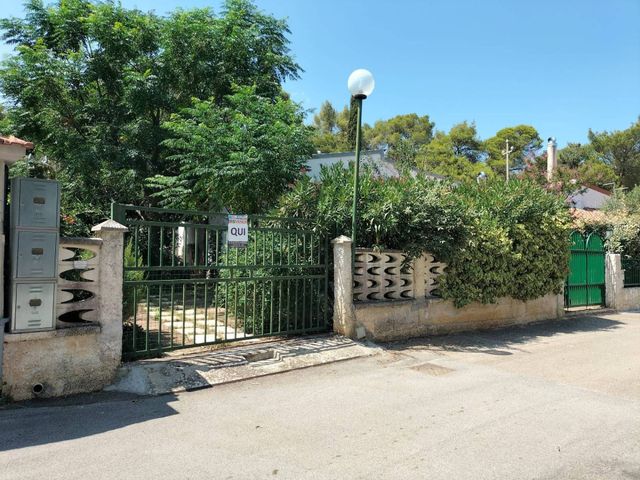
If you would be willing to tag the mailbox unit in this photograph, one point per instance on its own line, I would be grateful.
(34, 234)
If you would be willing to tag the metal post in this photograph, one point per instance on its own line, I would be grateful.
(356, 179)
(506, 152)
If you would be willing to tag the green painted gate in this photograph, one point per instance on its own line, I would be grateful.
(585, 285)
(184, 287)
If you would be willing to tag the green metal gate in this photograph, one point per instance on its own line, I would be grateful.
(184, 287)
(585, 285)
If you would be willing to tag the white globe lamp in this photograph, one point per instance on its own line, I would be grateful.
(361, 83)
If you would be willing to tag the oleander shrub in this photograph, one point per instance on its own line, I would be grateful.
(498, 239)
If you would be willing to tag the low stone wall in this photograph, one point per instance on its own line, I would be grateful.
(74, 358)
(57, 363)
(396, 320)
(628, 299)
(617, 296)
(385, 301)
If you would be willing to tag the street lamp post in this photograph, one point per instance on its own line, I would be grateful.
(360, 84)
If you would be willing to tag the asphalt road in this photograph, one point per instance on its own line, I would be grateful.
(559, 400)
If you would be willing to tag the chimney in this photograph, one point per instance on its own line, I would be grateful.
(552, 162)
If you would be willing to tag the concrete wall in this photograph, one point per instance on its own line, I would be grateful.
(81, 357)
(617, 296)
(423, 314)
(399, 319)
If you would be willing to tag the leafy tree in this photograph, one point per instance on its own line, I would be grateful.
(241, 155)
(597, 173)
(331, 129)
(325, 121)
(5, 123)
(91, 85)
(575, 154)
(620, 150)
(525, 142)
(403, 135)
(455, 155)
(465, 142)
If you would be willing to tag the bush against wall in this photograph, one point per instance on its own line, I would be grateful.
(623, 223)
(497, 239)
(517, 244)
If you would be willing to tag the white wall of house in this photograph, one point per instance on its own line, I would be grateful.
(384, 167)
(375, 157)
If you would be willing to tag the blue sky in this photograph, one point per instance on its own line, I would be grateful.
(563, 66)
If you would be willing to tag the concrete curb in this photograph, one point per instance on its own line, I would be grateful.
(203, 370)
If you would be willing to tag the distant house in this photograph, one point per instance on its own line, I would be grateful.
(589, 197)
(383, 166)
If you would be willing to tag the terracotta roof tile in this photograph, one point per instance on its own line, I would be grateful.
(11, 140)
(595, 216)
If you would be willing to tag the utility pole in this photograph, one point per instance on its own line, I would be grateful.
(507, 150)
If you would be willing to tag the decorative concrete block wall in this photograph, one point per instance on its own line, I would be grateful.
(390, 299)
(76, 357)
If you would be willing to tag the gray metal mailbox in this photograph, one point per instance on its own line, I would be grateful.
(34, 238)
(35, 203)
(33, 306)
(35, 254)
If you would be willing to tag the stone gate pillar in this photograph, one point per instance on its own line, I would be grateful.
(343, 310)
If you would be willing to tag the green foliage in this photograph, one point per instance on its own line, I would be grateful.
(597, 173)
(620, 150)
(623, 214)
(5, 123)
(498, 239)
(455, 155)
(241, 155)
(516, 244)
(265, 306)
(92, 83)
(131, 291)
(403, 135)
(576, 154)
(325, 121)
(583, 163)
(525, 142)
(352, 125)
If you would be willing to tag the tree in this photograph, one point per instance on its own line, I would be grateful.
(241, 155)
(525, 142)
(325, 121)
(5, 124)
(330, 129)
(455, 155)
(92, 84)
(402, 135)
(465, 142)
(597, 173)
(575, 154)
(620, 150)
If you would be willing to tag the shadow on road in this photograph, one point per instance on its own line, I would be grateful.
(50, 421)
(505, 340)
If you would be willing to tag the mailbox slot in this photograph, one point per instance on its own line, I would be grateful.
(35, 203)
(34, 307)
(34, 254)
